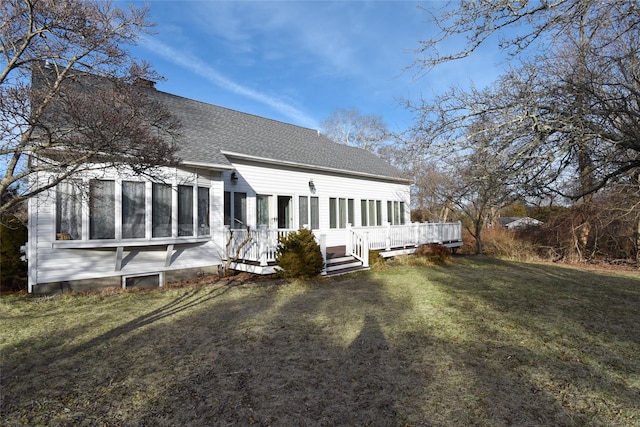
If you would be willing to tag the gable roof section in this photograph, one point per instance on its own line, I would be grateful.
(212, 134)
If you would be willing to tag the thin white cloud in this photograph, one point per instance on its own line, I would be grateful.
(199, 67)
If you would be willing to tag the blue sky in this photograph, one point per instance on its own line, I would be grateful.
(298, 61)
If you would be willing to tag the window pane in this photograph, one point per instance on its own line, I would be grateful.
(285, 219)
(363, 213)
(350, 212)
(185, 210)
(333, 221)
(372, 212)
(161, 210)
(133, 210)
(203, 211)
(239, 210)
(396, 213)
(102, 209)
(227, 208)
(378, 212)
(390, 212)
(68, 211)
(262, 206)
(303, 211)
(315, 213)
(342, 204)
(402, 220)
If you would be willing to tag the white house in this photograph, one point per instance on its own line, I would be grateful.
(237, 170)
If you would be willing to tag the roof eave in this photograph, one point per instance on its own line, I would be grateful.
(212, 166)
(314, 167)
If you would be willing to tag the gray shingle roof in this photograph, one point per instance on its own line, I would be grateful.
(209, 131)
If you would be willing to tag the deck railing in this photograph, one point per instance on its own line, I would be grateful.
(387, 237)
(262, 244)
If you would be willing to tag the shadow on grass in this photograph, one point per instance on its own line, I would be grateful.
(550, 332)
(445, 347)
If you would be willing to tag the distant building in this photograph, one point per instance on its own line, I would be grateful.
(517, 222)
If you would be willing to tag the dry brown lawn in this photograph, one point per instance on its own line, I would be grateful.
(476, 342)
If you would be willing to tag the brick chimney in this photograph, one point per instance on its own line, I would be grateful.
(148, 84)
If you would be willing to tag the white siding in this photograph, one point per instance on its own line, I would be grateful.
(256, 178)
(51, 261)
(54, 261)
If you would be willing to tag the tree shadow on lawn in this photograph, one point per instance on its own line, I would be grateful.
(570, 333)
(348, 351)
(328, 356)
(57, 364)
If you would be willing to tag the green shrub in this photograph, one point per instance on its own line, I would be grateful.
(299, 255)
(13, 271)
(434, 252)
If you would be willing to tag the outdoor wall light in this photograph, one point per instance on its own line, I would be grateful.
(234, 177)
(312, 186)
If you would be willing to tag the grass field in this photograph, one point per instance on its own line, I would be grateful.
(478, 342)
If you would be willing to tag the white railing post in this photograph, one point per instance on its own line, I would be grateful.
(349, 246)
(323, 249)
(262, 245)
(387, 236)
(365, 249)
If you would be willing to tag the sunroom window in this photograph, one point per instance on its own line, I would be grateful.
(125, 210)
(102, 209)
(203, 211)
(185, 210)
(68, 211)
(133, 210)
(161, 210)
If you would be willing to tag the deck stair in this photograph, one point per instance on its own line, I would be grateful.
(340, 263)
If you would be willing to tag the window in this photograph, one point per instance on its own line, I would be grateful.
(203, 212)
(350, 212)
(133, 210)
(372, 212)
(390, 212)
(402, 213)
(378, 212)
(342, 205)
(102, 209)
(68, 211)
(227, 208)
(309, 212)
(333, 215)
(262, 210)
(285, 214)
(363, 213)
(185, 210)
(239, 210)
(303, 211)
(128, 210)
(161, 210)
(315, 213)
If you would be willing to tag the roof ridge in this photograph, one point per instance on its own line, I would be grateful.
(244, 113)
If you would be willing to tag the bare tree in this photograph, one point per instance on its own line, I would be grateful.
(571, 112)
(82, 110)
(350, 127)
